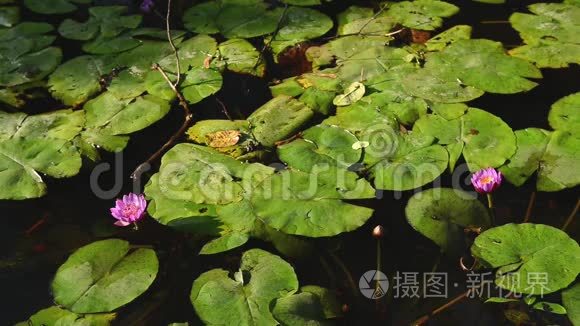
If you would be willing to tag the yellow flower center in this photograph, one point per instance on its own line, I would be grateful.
(487, 180)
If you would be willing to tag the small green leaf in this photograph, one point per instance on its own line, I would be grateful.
(200, 83)
(565, 113)
(104, 276)
(530, 258)
(550, 307)
(278, 119)
(500, 300)
(421, 14)
(248, 303)
(298, 25)
(239, 55)
(77, 80)
(442, 214)
(445, 38)
(55, 316)
(571, 300)
(321, 145)
(49, 7)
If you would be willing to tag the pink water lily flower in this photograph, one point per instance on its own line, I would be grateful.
(129, 210)
(486, 181)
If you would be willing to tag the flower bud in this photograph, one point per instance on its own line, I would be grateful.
(378, 232)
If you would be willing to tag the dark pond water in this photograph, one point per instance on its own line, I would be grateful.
(37, 235)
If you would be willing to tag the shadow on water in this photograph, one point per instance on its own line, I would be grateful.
(37, 235)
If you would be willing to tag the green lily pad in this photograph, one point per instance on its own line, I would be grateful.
(550, 34)
(247, 296)
(278, 119)
(298, 25)
(233, 19)
(31, 145)
(565, 113)
(421, 14)
(443, 39)
(119, 117)
(531, 258)
(200, 83)
(128, 84)
(434, 85)
(571, 300)
(49, 7)
(402, 161)
(202, 132)
(487, 140)
(240, 194)
(193, 52)
(317, 90)
(557, 165)
(104, 276)
(321, 145)
(531, 145)
(304, 2)
(102, 29)
(549, 54)
(373, 25)
(351, 14)
(364, 118)
(54, 316)
(307, 307)
(240, 56)
(346, 47)
(30, 67)
(77, 80)
(442, 214)
(201, 18)
(19, 95)
(372, 65)
(554, 20)
(26, 54)
(484, 65)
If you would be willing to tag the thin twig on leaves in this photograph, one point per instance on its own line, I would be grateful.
(366, 34)
(459, 298)
(170, 39)
(570, 218)
(182, 102)
(372, 18)
(186, 123)
(267, 45)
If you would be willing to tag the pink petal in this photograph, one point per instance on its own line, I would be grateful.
(116, 213)
(122, 223)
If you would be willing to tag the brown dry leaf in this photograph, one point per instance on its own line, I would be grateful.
(419, 36)
(224, 138)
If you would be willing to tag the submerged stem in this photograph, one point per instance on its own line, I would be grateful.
(490, 206)
(347, 273)
(570, 218)
(530, 207)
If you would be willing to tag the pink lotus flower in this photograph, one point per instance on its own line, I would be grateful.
(129, 210)
(486, 181)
